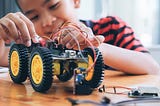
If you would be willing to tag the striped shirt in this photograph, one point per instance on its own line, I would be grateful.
(116, 32)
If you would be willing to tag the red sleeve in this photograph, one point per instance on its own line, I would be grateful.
(118, 33)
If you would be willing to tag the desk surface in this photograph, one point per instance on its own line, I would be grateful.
(12, 94)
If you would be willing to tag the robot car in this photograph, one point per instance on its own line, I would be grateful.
(41, 62)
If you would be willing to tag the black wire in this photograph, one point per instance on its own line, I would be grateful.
(105, 102)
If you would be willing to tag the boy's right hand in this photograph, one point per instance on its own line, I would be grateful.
(17, 27)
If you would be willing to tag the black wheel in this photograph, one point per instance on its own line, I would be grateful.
(18, 63)
(66, 71)
(95, 75)
(40, 65)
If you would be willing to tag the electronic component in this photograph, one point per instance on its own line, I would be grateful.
(142, 92)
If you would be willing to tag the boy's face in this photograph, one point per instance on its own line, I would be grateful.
(49, 15)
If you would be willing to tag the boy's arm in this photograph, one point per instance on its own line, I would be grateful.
(3, 54)
(128, 61)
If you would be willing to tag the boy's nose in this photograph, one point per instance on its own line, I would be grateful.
(48, 20)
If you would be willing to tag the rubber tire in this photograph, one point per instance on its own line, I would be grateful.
(98, 74)
(23, 62)
(47, 60)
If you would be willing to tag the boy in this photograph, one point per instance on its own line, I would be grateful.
(120, 49)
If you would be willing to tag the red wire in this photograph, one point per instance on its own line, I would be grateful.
(75, 27)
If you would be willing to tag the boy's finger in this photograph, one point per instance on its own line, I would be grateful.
(3, 35)
(22, 27)
(30, 26)
(9, 28)
(100, 38)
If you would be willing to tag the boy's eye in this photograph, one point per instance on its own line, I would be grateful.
(34, 18)
(54, 6)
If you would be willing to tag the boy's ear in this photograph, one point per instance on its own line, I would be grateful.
(76, 3)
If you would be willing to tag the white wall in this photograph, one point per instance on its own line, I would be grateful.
(141, 15)
(86, 10)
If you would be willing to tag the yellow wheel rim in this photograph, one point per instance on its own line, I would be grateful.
(91, 71)
(15, 63)
(37, 69)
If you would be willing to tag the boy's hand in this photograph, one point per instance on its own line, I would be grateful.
(75, 36)
(17, 27)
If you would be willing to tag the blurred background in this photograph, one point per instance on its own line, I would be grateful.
(142, 15)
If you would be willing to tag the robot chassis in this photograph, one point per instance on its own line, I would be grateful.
(41, 63)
